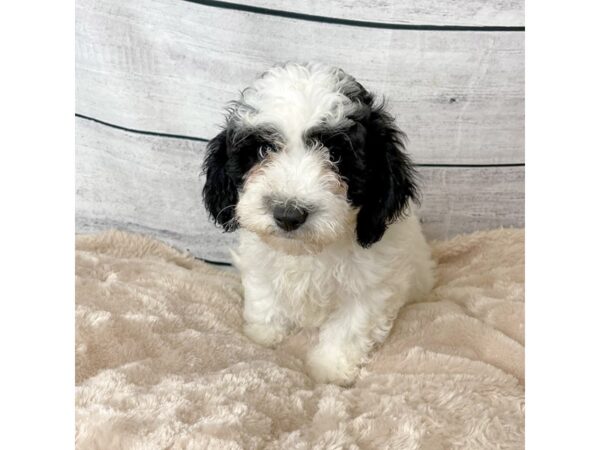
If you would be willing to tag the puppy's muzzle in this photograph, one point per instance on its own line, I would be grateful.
(289, 217)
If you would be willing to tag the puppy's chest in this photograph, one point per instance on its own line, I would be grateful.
(307, 290)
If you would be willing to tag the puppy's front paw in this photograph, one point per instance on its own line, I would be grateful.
(264, 334)
(330, 365)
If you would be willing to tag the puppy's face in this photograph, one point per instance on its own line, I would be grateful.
(305, 159)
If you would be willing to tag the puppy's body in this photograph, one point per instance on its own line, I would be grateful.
(353, 294)
(314, 175)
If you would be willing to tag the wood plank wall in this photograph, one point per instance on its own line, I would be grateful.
(152, 78)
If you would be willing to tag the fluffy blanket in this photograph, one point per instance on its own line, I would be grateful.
(161, 361)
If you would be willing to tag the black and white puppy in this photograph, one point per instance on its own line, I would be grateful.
(314, 174)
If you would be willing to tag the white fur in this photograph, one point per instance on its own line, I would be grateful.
(353, 294)
(295, 97)
(318, 275)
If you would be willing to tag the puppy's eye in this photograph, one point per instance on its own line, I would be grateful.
(264, 150)
(336, 144)
(335, 156)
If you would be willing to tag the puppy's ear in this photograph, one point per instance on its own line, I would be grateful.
(390, 178)
(220, 191)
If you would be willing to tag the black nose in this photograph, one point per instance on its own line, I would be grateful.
(289, 218)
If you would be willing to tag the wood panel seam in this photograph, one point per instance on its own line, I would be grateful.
(352, 22)
(198, 139)
(144, 132)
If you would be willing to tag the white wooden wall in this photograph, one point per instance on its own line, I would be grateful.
(152, 78)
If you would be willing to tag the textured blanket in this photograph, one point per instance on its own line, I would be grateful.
(161, 361)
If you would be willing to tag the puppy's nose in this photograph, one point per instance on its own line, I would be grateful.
(289, 218)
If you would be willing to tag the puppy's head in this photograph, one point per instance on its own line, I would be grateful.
(306, 158)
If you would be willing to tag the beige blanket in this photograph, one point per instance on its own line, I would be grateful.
(161, 361)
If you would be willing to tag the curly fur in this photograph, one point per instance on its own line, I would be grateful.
(310, 137)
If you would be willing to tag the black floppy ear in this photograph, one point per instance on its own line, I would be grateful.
(220, 192)
(390, 178)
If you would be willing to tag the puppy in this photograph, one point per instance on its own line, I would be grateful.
(314, 174)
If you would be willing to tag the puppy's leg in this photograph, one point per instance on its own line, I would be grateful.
(265, 324)
(346, 338)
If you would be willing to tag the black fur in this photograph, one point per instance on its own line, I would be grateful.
(229, 157)
(370, 156)
(390, 181)
(346, 148)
